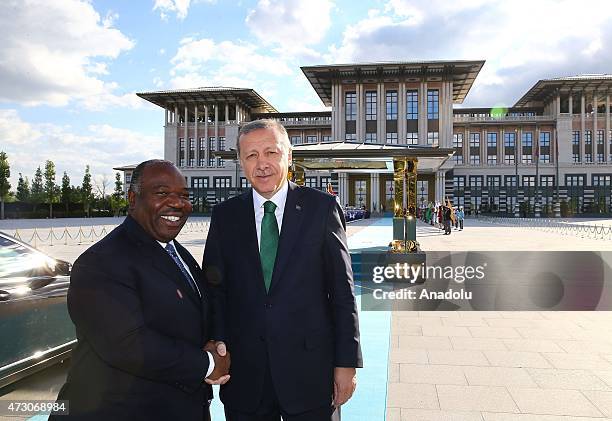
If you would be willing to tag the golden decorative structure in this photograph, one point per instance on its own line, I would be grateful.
(405, 205)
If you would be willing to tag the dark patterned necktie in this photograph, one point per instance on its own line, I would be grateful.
(172, 252)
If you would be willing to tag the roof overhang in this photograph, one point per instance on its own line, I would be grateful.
(547, 88)
(461, 72)
(170, 99)
(339, 156)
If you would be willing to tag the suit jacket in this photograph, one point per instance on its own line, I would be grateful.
(306, 324)
(140, 328)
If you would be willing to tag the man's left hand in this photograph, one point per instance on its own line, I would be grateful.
(345, 382)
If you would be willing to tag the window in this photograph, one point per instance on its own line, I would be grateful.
(392, 105)
(602, 180)
(181, 152)
(491, 159)
(244, 183)
(510, 180)
(311, 182)
(600, 137)
(202, 144)
(458, 140)
(492, 140)
(509, 148)
(370, 104)
(588, 158)
(529, 181)
(296, 140)
(493, 181)
(576, 157)
(212, 146)
(199, 182)
(326, 138)
(222, 182)
(575, 180)
(412, 105)
(350, 136)
(311, 139)
(600, 157)
(588, 137)
(547, 180)
(211, 162)
(221, 143)
(370, 137)
(432, 138)
(392, 138)
(350, 110)
(412, 138)
(459, 182)
(527, 141)
(191, 152)
(476, 181)
(432, 104)
(576, 138)
(544, 147)
(475, 140)
(325, 180)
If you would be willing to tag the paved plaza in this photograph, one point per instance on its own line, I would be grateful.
(486, 366)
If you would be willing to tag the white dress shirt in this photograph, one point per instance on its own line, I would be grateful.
(279, 199)
(211, 361)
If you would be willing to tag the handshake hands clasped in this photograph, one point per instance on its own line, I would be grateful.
(220, 374)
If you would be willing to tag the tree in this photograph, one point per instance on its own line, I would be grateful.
(117, 199)
(23, 189)
(66, 191)
(86, 191)
(50, 186)
(5, 185)
(101, 187)
(37, 191)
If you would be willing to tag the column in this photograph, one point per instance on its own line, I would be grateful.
(483, 146)
(423, 113)
(342, 116)
(227, 119)
(336, 114)
(381, 113)
(374, 192)
(501, 146)
(466, 145)
(401, 113)
(216, 126)
(196, 141)
(594, 137)
(360, 113)
(440, 182)
(519, 147)
(237, 113)
(206, 145)
(571, 103)
(607, 151)
(343, 188)
(165, 117)
(582, 125)
(176, 116)
(186, 125)
(558, 104)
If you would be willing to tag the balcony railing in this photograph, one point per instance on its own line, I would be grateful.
(461, 118)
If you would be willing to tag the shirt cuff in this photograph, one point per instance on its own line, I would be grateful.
(211, 364)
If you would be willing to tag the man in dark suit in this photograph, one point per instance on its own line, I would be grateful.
(279, 271)
(141, 314)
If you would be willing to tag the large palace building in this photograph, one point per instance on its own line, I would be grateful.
(554, 144)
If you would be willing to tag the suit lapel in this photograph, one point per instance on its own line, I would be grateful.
(248, 234)
(159, 258)
(292, 221)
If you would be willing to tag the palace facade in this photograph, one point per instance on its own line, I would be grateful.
(553, 144)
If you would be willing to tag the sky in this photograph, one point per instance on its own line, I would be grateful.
(69, 69)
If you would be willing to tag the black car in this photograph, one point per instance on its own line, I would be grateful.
(35, 328)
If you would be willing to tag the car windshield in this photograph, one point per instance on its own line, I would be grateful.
(17, 261)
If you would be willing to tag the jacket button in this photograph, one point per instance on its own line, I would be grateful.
(268, 305)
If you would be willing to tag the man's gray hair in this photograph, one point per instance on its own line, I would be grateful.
(136, 181)
(264, 123)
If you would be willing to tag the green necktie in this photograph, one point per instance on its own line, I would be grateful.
(269, 242)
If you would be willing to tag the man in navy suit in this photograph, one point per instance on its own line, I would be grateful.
(142, 314)
(279, 271)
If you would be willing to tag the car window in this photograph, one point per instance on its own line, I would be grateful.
(17, 260)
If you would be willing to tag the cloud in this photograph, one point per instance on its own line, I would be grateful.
(180, 7)
(101, 146)
(204, 62)
(54, 52)
(522, 41)
(290, 22)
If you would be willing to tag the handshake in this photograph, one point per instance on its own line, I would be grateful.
(220, 374)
